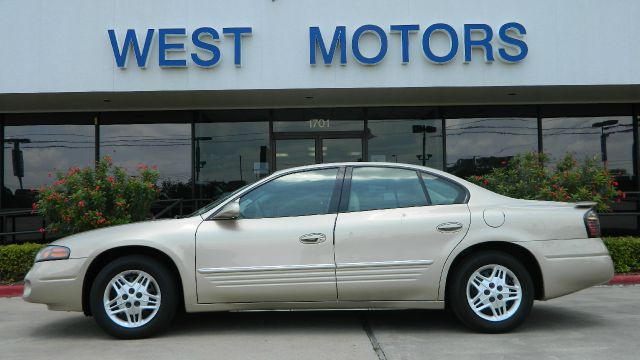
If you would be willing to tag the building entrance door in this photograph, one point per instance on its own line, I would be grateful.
(297, 149)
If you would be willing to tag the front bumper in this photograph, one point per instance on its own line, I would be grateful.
(58, 284)
(571, 265)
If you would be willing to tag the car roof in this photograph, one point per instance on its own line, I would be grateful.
(380, 164)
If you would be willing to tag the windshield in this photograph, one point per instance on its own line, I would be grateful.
(217, 202)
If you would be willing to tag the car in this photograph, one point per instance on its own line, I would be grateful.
(331, 236)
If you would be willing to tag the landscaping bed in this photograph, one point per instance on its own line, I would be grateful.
(16, 260)
(625, 252)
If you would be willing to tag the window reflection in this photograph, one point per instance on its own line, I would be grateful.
(295, 152)
(443, 192)
(231, 155)
(299, 194)
(341, 150)
(44, 149)
(398, 140)
(601, 137)
(385, 188)
(233, 151)
(476, 145)
(167, 146)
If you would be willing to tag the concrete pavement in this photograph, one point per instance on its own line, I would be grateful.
(597, 323)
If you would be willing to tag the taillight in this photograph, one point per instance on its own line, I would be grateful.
(592, 224)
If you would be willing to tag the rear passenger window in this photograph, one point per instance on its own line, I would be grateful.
(443, 192)
(375, 188)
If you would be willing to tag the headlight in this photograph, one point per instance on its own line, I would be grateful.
(53, 253)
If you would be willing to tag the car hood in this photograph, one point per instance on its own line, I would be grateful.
(155, 233)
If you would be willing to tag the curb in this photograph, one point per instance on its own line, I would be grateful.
(621, 279)
(624, 279)
(11, 290)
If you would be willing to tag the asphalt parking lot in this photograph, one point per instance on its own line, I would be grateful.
(597, 323)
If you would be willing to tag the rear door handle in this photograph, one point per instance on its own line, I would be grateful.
(313, 238)
(449, 227)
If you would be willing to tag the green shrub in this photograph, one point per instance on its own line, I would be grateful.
(625, 252)
(16, 260)
(529, 176)
(85, 199)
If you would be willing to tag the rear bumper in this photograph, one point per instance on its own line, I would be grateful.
(571, 265)
(58, 284)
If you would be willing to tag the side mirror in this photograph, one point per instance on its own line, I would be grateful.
(230, 211)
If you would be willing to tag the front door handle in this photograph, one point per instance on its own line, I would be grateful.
(313, 238)
(449, 227)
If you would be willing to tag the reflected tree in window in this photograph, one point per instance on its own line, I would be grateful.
(165, 146)
(610, 139)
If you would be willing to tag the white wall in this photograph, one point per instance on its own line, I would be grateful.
(63, 46)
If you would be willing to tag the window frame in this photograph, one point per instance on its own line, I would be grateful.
(348, 177)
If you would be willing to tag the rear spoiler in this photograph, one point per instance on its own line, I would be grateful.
(585, 204)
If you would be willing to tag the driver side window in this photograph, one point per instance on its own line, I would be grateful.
(298, 194)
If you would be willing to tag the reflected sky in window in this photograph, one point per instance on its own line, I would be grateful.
(476, 145)
(167, 146)
(237, 151)
(51, 148)
(393, 140)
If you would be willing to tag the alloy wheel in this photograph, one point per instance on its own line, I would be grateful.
(132, 298)
(494, 292)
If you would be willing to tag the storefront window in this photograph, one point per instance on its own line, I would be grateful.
(33, 155)
(232, 148)
(477, 145)
(401, 141)
(230, 155)
(608, 139)
(167, 146)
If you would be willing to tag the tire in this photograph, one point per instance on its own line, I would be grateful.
(144, 303)
(480, 287)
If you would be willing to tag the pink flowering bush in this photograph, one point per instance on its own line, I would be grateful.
(85, 199)
(528, 176)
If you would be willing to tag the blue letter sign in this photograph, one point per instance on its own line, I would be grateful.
(196, 39)
(404, 31)
(453, 43)
(339, 39)
(509, 41)
(174, 50)
(164, 47)
(131, 40)
(484, 43)
(237, 33)
(355, 44)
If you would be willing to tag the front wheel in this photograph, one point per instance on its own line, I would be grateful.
(133, 297)
(491, 292)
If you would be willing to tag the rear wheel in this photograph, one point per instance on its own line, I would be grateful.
(491, 292)
(133, 297)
